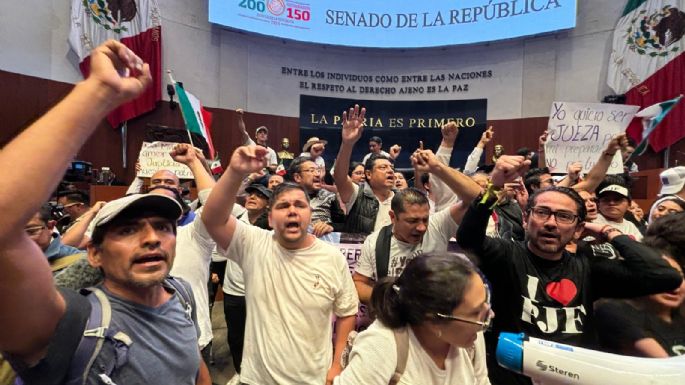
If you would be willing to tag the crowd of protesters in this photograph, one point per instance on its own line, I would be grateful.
(569, 258)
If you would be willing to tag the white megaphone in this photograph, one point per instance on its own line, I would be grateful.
(552, 363)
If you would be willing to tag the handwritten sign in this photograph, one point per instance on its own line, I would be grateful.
(579, 132)
(155, 156)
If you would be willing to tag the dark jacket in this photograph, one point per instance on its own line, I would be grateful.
(362, 216)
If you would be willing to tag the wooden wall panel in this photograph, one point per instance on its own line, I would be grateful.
(26, 98)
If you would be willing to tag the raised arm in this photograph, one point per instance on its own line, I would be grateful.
(76, 235)
(642, 271)
(185, 153)
(572, 175)
(542, 162)
(216, 215)
(243, 131)
(352, 128)
(442, 195)
(459, 184)
(471, 233)
(394, 151)
(31, 306)
(597, 173)
(471, 165)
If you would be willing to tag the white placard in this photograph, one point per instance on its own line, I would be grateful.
(155, 156)
(579, 132)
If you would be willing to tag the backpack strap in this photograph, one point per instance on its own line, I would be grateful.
(184, 296)
(93, 336)
(383, 252)
(96, 333)
(402, 344)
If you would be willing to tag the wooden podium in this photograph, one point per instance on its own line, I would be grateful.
(646, 186)
(108, 193)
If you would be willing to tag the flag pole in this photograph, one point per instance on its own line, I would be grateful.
(173, 82)
(190, 138)
(667, 154)
(124, 143)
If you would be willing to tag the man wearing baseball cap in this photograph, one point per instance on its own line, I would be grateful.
(133, 244)
(673, 182)
(614, 201)
(261, 136)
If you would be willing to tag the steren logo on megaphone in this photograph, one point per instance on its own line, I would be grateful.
(550, 368)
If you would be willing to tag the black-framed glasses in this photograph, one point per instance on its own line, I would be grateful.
(485, 319)
(312, 171)
(563, 217)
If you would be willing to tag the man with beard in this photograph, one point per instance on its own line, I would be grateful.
(133, 244)
(538, 287)
(294, 282)
(413, 231)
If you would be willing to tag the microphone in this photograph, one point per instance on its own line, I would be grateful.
(552, 363)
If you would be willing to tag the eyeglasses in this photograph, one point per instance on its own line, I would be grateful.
(311, 171)
(34, 230)
(563, 217)
(485, 318)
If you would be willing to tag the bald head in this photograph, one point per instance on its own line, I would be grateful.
(165, 178)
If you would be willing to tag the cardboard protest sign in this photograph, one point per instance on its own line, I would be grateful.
(579, 132)
(155, 156)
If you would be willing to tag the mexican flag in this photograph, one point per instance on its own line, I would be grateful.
(648, 66)
(135, 23)
(197, 119)
(651, 117)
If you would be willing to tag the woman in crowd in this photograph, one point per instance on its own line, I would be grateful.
(400, 181)
(669, 204)
(649, 326)
(438, 308)
(357, 172)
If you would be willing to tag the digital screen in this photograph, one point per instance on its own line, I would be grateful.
(395, 24)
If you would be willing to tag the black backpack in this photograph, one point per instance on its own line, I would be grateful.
(383, 252)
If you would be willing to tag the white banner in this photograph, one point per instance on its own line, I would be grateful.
(155, 156)
(579, 132)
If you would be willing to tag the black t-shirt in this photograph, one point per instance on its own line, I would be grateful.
(597, 250)
(553, 300)
(620, 325)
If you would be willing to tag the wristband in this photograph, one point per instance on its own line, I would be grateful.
(490, 191)
(606, 230)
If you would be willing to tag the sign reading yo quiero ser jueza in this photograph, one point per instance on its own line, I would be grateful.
(579, 132)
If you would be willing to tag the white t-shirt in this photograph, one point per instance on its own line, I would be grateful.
(271, 158)
(627, 227)
(373, 361)
(383, 216)
(194, 248)
(291, 296)
(443, 195)
(441, 227)
(234, 283)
